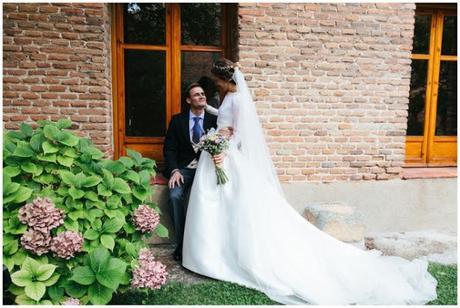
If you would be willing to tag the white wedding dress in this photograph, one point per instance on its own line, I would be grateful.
(246, 232)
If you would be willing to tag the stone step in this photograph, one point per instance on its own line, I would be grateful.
(437, 247)
(338, 220)
(160, 197)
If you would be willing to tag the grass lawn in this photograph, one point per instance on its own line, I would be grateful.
(224, 293)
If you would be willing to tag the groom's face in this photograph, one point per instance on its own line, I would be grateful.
(197, 98)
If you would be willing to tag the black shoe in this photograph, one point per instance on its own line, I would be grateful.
(177, 255)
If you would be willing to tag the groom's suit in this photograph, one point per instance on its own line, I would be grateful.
(180, 155)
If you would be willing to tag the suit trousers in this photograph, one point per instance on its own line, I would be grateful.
(178, 198)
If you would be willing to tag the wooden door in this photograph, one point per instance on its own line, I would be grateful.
(159, 50)
(432, 122)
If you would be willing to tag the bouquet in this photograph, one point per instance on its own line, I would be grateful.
(214, 143)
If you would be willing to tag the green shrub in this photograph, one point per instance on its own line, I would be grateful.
(98, 197)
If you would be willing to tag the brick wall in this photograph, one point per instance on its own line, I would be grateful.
(331, 81)
(56, 63)
(331, 84)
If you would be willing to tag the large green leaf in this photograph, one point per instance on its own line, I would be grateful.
(49, 148)
(10, 188)
(80, 178)
(49, 157)
(56, 294)
(11, 171)
(107, 241)
(35, 290)
(113, 225)
(10, 245)
(161, 231)
(132, 176)
(26, 129)
(99, 295)
(30, 265)
(64, 123)
(83, 275)
(52, 280)
(91, 195)
(75, 215)
(76, 193)
(21, 278)
(128, 162)
(111, 275)
(94, 152)
(103, 190)
(136, 156)
(22, 194)
(15, 134)
(115, 167)
(70, 152)
(108, 178)
(51, 132)
(74, 289)
(114, 202)
(65, 161)
(71, 225)
(45, 179)
(91, 234)
(23, 150)
(91, 181)
(30, 167)
(121, 186)
(145, 178)
(93, 214)
(36, 142)
(141, 193)
(24, 300)
(99, 259)
(45, 271)
(68, 139)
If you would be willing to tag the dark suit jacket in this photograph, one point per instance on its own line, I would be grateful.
(178, 151)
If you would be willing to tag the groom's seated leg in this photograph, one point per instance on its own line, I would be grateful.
(176, 198)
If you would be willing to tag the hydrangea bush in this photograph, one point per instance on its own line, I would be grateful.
(74, 223)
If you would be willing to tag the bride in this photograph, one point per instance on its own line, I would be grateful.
(246, 232)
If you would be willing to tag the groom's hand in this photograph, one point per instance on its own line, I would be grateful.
(175, 179)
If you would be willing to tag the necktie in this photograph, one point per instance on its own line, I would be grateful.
(196, 130)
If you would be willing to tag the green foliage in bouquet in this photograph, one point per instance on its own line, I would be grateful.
(90, 204)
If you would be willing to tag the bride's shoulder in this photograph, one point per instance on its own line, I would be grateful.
(233, 96)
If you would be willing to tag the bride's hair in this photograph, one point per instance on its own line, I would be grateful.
(224, 69)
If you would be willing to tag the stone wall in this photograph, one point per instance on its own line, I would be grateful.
(331, 84)
(56, 63)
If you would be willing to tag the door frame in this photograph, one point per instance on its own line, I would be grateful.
(173, 49)
(421, 150)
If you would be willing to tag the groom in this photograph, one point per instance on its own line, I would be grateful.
(181, 155)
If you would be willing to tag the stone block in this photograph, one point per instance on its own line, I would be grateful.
(338, 220)
(160, 198)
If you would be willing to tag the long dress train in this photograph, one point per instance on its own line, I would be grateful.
(246, 232)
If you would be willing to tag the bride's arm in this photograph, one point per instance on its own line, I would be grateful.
(211, 110)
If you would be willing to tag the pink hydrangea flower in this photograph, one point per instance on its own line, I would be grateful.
(145, 218)
(41, 215)
(71, 302)
(66, 244)
(36, 241)
(149, 273)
